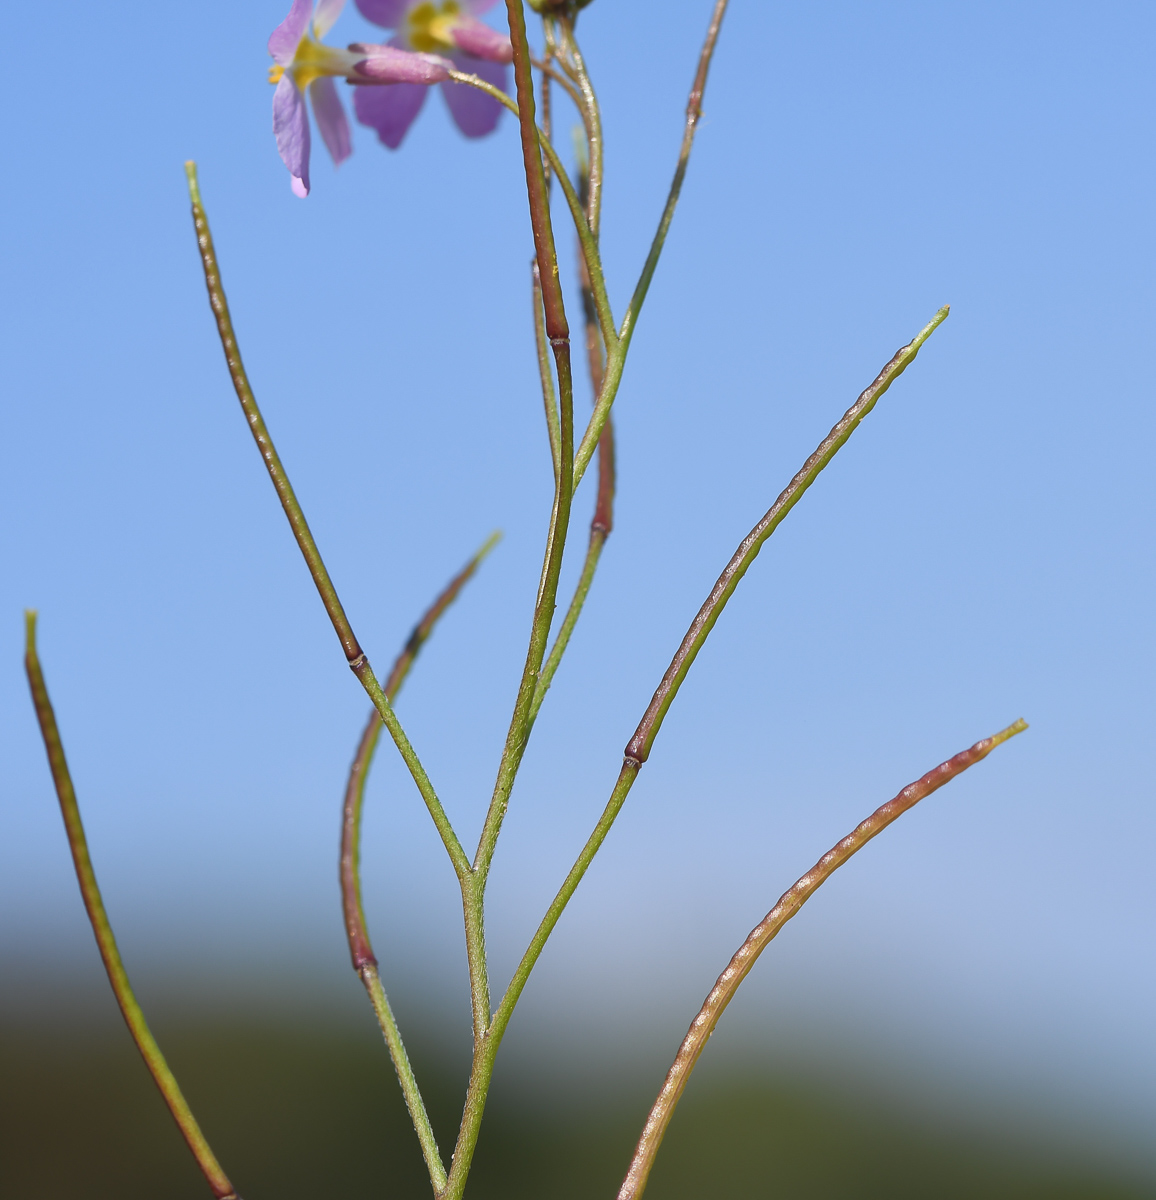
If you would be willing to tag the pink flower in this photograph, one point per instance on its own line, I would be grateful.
(303, 64)
(442, 27)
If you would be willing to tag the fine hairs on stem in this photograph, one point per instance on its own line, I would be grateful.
(356, 929)
(563, 77)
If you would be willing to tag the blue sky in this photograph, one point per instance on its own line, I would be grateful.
(981, 550)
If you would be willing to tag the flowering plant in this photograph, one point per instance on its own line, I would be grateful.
(444, 42)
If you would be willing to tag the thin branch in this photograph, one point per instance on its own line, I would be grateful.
(599, 318)
(416, 1106)
(547, 114)
(693, 116)
(591, 119)
(505, 1010)
(577, 212)
(359, 945)
(788, 905)
(618, 353)
(486, 1051)
(349, 863)
(639, 745)
(521, 721)
(558, 332)
(546, 372)
(555, 307)
(588, 242)
(356, 929)
(566, 629)
(551, 72)
(602, 522)
(643, 739)
(98, 917)
(256, 423)
(355, 656)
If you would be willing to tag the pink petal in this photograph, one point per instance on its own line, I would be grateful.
(388, 64)
(480, 6)
(390, 110)
(284, 39)
(331, 120)
(326, 12)
(473, 37)
(291, 129)
(386, 13)
(475, 113)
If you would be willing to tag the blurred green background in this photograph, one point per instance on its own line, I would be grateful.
(305, 1104)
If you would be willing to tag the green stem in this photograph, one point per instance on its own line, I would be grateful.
(639, 745)
(558, 335)
(615, 365)
(356, 929)
(355, 926)
(791, 901)
(354, 655)
(617, 351)
(546, 372)
(458, 858)
(505, 1010)
(552, 73)
(586, 239)
(349, 865)
(575, 65)
(256, 423)
(545, 108)
(585, 209)
(522, 720)
(693, 116)
(558, 332)
(405, 1076)
(113, 964)
(562, 638)
(603, 520)
(474, 924)
(589, 244)
(477, 1091)
(486, 1048)
(618, 340)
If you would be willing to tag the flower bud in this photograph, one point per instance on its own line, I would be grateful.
(389, 64)
(474, 37)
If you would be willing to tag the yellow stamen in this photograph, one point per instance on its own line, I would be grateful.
(312, 60)
(429, 26)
